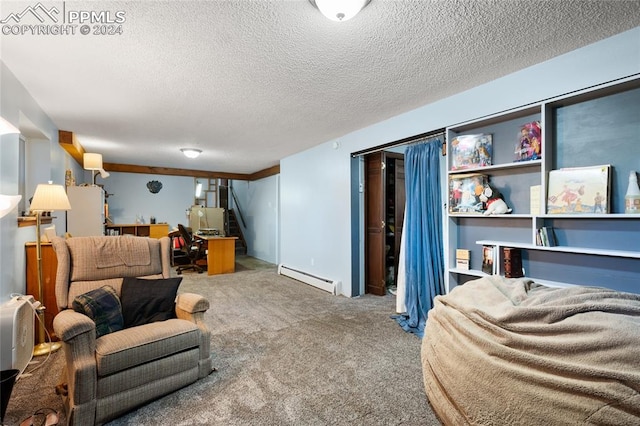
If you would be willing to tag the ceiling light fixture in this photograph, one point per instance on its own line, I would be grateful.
(339, 10)
(191, 152)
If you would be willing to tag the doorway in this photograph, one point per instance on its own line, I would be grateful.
(384, 202)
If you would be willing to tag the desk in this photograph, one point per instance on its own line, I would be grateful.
(221, 254)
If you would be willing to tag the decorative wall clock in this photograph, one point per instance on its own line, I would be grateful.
(154, 186)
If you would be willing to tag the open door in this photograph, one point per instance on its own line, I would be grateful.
(384, 215)
(374, 243)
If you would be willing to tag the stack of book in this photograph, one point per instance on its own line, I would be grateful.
(546, 237)
(462, 259)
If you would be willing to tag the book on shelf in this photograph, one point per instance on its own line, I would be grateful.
(579, 190)
(488, 259)
(463, 257)
(470, 151)
(464, 193)
(546, 237)
(529, 146)
(534, 200)
(512, 262)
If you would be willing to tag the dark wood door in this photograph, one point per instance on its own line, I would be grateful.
(374, 196)
(400, 198)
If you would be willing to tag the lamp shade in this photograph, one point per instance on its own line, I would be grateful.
(49, 197)
(7, 128)
(340, 10)
(8, 203)
(92, 161)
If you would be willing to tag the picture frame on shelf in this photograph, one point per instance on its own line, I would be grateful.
(471, 151)
(488, 259)
(579, 190)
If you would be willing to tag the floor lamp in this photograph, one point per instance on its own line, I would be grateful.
(47, 198)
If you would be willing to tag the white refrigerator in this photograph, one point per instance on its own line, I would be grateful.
(86, 217)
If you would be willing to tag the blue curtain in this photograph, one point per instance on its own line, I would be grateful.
(424, 260)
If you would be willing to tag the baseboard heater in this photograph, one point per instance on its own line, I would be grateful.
(325, 284)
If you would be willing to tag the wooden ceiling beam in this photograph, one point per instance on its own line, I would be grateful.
(69, 143)
(169, 171)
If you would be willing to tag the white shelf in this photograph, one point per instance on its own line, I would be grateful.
(613, 216)
(563, 249)
(514, 165)
(493, 216)
(471, 272)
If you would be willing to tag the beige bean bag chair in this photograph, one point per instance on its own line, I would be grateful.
(503, 351)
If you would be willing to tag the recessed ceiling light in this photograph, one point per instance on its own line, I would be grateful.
(191, 152)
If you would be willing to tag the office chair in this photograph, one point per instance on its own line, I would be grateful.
(194, 249)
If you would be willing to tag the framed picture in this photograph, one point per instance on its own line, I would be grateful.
(579, 190)
(471, 151)
(488, 259)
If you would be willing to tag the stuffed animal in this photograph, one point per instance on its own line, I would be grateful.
(494, 201)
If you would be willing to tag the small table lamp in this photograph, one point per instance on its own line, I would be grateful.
(47, 198)
(92, 161)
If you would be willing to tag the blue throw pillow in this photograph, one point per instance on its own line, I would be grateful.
(103, 306)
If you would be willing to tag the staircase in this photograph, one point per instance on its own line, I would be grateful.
(235, 231)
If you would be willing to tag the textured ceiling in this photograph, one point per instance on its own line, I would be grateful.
(252, 81)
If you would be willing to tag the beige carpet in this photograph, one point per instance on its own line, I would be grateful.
(286, 354)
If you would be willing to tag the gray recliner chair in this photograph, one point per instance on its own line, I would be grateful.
(104, 377)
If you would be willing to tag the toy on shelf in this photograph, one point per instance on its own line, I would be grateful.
(464, 193)
(494, 201)
(471, 151)
(529, 145)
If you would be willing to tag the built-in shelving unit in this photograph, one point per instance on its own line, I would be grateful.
(158, 230)
(596, 126)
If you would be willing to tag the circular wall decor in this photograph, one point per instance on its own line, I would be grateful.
(154, 186)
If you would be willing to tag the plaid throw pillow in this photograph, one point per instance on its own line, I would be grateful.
(102, 305)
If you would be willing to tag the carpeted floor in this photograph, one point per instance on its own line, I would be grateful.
(286, 354)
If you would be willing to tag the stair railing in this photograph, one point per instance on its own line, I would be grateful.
(237, 205)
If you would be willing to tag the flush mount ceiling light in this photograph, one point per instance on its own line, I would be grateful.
(339, 10)
(191, 152)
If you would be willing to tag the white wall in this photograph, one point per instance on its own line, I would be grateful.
(131, 197)
(259, 203)
(314, 184)
(20, 109)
